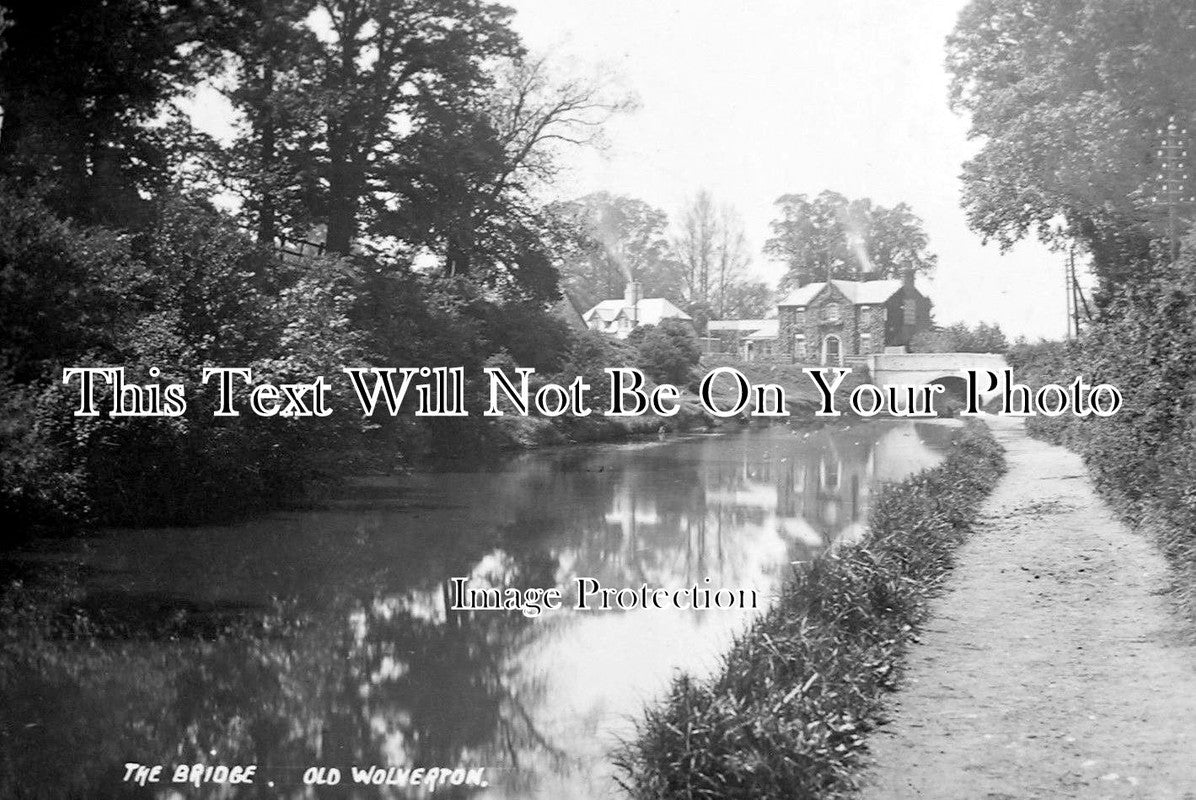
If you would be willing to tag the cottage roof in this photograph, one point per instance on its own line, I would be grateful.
(567, 310)
(771, 329)
(735, 324)
(649, 311)
(858, 292)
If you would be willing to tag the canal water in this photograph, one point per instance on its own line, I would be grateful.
(322, 638)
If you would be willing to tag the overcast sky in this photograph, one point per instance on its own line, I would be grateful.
(758, 98)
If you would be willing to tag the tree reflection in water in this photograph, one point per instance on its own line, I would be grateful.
(324, 638)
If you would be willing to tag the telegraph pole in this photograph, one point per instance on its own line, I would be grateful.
(1069, 299)
(1074, 295)
(1173, 178)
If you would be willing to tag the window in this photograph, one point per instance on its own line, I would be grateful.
(830, 313)
(911, 311)
(799, 347)
(832, 352)
(865, 343)
(865, 316)
(829, 473)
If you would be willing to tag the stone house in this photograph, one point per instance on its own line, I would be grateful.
(841, 322)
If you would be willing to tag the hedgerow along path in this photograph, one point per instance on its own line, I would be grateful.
(1053, 667)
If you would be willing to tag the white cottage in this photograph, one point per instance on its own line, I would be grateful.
(620, 317)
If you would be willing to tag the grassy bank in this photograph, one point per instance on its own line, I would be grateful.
(800, 392)
(786, 714)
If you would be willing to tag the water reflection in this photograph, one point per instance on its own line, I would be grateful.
(325, 638)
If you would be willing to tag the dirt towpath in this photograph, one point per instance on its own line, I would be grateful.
(1053, 666)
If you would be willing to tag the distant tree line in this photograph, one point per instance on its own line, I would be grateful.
(961, 338)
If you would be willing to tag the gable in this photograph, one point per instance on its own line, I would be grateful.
(859, 293)
(830, 293)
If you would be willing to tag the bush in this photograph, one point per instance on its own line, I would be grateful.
(959, 338)
(194, 292)
(668, 352)
(1143, 459)
(63, 289)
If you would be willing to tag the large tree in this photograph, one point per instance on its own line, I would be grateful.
(346, 84)
(829, 236)
(467, 185)
(747, 299)
(420, 123)
(617, 239)
(83, 89)
(268, 50)
(1068, 98)
(711, 245)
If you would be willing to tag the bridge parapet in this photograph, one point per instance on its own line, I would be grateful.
(945, 363)
(919, 368)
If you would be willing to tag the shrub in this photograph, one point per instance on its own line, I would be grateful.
(64, 289)
(1143, 459)
(959, 338)
(668, 352)
(193, 293)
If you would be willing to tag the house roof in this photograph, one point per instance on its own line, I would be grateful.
(735, 324)
(858, 292)
(567, 310)
(648, 311)
(770, 330)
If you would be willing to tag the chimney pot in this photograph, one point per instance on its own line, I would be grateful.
(632, 295)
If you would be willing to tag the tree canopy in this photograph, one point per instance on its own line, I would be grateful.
(829, 236)
(712, 249)
(1068, 98)
(83, 87)
(616, 239)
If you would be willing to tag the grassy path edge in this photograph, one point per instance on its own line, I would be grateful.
(787, 712)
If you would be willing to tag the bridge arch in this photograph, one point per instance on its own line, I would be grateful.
(946, 369)
(954, 386)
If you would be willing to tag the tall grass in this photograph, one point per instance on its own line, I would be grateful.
(787, 713)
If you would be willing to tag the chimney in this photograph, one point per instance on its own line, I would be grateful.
(632, 295)
(907, 278)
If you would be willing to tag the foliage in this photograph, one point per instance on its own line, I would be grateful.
(430, 129)
(1144, 457)
(748, 299)
(668, 352)
(1068, 99)
(377, 65)
(712, 248)
(960, 338)
(616, 239)
(590, 353)
(79, 100)
(831, 237)
(63, 288)
(787, 710)
(390, 132)
(209, 297)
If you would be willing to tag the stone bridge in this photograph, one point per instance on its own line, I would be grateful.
(943, 368)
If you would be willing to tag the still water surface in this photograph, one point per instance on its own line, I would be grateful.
(322, 638)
